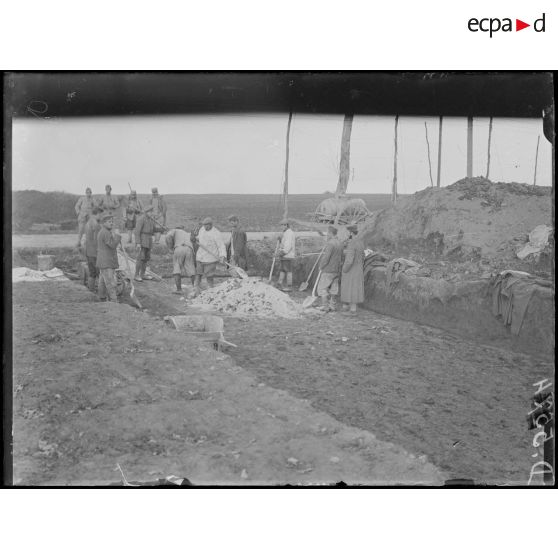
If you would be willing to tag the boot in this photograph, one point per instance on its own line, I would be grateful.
(138, 276)
(289, 286)
(332, 304)
(325, 303)
(197, 281)
(178, 283)
(281, 280)
(210, 282)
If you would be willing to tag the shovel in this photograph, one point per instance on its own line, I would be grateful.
(273, 262)
(309, 300)
(304, 285)
(133, 289)
(238, 270)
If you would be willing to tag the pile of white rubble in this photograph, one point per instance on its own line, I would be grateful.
(249, 297)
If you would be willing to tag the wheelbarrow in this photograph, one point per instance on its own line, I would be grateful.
(205, 327)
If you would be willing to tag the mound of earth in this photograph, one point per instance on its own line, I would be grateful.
(250, 297)
(471, 219)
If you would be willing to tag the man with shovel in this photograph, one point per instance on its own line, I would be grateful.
(286, 255)
(330, 267)
(145, 229)
(183, 262)
(211, 251)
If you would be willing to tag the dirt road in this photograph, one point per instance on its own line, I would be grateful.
(69, 240)
(99, 384)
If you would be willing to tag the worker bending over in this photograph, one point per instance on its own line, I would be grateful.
(183, 262)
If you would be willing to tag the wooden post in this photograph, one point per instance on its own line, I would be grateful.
(489, 140)
(344, 162)
(469, 147)
(394, 185)
(536, 160)
(286, 182)
(428, 149)
(439, 152)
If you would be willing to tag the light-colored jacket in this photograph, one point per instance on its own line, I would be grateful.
(84, 206)
(178, 237)
(213, 241)
(287, 246)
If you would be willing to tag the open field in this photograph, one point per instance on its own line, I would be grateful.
(258, 212)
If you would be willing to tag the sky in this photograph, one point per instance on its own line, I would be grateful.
(245, 153)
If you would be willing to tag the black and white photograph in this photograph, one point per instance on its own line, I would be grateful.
(279, 278)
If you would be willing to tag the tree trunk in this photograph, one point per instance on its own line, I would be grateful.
(469, 147)
(439, 152)
(286, 182)
(488, 155)
(394, 185)
(344, 163)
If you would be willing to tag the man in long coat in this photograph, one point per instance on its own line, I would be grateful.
(107, 259)
(237, 250)
(92, 229)
(352, 278)
(110, 203)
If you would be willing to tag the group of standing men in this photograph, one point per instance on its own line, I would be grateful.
(108, 204)
(197, 254)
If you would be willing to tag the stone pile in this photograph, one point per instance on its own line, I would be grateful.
(249, 297)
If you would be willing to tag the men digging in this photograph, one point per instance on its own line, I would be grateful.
(107, 259)
(83, 208)
(330, 267)
(183, 260)
(92, 229)
(352, 278)
(237, 250)
(211, 251)
(286, 256)
(159, 210)
(145, 229)
(131, 211)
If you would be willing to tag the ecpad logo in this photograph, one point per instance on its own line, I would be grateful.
(494, 24)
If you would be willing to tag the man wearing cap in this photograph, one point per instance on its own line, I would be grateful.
(145, 229)
(131, 211)
(352, 277)
(211, 251)
(286, 257)
(237, 251)
(107, 259)
(83, 208)
(109, 203)
(159, 210)
(92, 229)
(330, 267)
(183, 262)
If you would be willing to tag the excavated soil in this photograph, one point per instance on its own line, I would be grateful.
(97, 385)
(472, 226)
